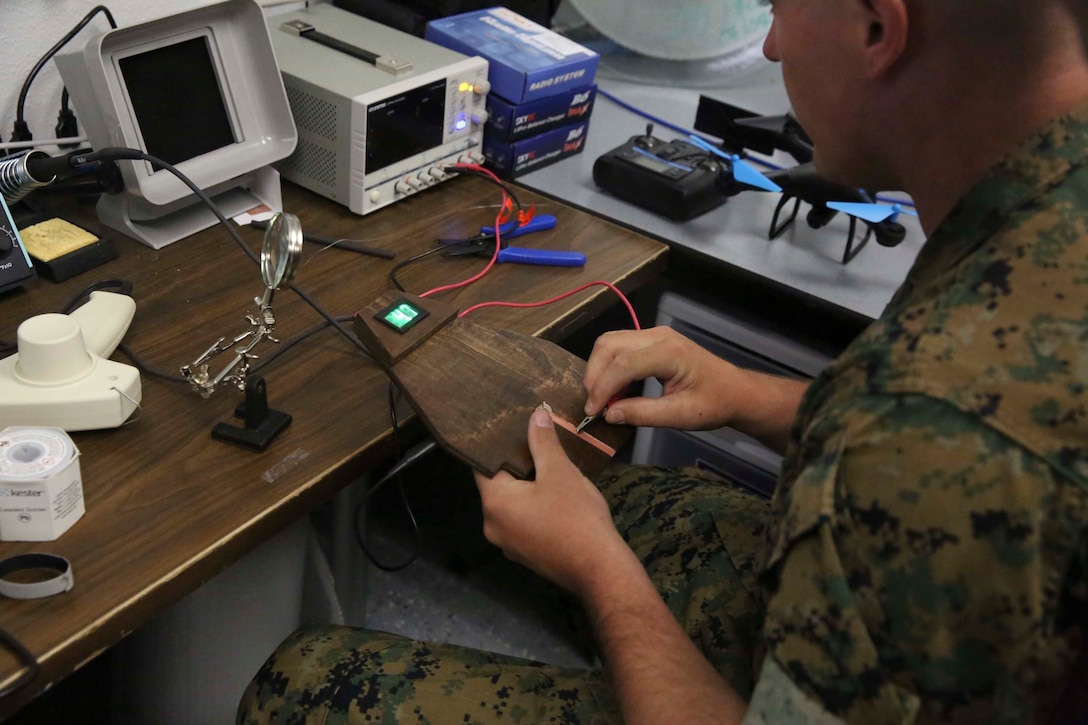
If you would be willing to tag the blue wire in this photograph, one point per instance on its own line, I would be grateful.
(687, 132)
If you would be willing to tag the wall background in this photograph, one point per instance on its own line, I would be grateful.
(33, 26)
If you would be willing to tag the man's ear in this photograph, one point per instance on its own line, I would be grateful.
(885, 35)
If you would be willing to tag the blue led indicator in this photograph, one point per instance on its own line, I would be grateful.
(460, 124)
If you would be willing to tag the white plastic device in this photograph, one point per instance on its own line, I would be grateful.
(61, 378)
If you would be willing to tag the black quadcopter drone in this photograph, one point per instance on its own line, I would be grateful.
(742, 130)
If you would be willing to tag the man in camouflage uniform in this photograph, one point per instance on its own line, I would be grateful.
(925, 557)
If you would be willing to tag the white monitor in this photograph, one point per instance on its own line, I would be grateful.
(201, 90)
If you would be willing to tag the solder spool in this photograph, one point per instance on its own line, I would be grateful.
(41, 489)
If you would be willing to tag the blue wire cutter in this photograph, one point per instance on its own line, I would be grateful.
(484, 245)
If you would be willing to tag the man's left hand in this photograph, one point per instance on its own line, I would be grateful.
(558, 525)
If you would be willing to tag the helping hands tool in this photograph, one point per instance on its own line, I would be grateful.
(279, 262)
(483, 245)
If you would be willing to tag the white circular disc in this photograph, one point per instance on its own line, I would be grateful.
(678, 29)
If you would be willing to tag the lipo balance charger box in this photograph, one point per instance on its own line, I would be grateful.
(515, 121)
(526, 61)
(512, 159)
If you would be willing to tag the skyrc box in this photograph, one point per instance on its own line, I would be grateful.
(513, 121)
(512, 159)
(526, 60)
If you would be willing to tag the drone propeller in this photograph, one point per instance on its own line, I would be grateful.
(743, 172)
(873, 213)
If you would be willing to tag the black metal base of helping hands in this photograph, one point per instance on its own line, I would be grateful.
(262, 424)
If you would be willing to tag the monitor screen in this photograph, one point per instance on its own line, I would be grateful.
(177, 101)
(403, 125)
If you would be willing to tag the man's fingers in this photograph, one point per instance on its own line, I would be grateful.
(626, 368)
(667, 411)
(604, 349)
(490, 484)
(544, 443)
(602, 362)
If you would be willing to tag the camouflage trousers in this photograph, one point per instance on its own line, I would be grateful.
(698, 539)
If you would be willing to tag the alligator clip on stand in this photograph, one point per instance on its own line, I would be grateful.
(279, 261)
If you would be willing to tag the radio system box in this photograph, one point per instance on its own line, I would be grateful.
(527, 61)
(515, 121)
(379, 112)
(513, 159)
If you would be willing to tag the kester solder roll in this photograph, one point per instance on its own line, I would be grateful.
(41, 490)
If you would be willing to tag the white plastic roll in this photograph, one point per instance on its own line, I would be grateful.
(678, 29)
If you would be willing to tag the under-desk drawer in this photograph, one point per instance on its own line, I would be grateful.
(747, 343)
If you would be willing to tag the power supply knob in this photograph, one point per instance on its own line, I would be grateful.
(376, 196)
(481, 88)
(480, 118)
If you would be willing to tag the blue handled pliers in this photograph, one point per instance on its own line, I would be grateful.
(484, 245)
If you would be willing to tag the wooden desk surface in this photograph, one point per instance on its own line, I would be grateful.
(168, 507)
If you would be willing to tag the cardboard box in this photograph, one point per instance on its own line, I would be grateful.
(510, 160)
(526, 60)
(514, 121)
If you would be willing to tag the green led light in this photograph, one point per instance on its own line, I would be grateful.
(401, 315)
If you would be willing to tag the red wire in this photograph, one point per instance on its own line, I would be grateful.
(609, 285)
(498, 246)
(498, 242)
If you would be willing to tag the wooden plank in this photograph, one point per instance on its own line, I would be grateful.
(475, 386)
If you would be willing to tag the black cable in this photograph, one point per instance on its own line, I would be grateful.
(123, 154)
(280, 350)
(458, 170)
(413, 455)
(20, 121)
(67, 125)
(123, 287)
(405, 263)
(25, 658)
(143, 367)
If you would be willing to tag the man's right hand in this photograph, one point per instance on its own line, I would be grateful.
(701, 391)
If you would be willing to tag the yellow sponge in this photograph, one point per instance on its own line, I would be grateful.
(53, 238)
(61, 249)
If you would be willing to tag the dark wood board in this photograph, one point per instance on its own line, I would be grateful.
(475, 387)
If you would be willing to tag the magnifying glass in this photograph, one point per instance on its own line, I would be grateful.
(280, 253)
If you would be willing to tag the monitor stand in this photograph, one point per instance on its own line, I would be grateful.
(135, 218)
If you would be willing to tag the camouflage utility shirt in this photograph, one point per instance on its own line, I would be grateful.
(928, 555)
